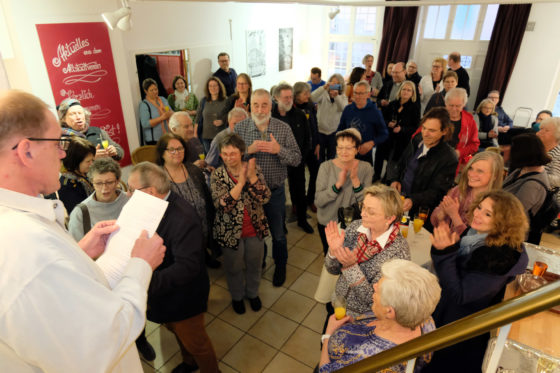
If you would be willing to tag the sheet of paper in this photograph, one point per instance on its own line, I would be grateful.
(142, 212)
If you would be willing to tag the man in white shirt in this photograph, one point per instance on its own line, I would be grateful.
(57, 311)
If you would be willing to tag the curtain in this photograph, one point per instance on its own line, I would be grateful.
(398, 31)
(503, 49)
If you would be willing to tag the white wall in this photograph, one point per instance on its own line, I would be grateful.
(159, 26)
(535, 81)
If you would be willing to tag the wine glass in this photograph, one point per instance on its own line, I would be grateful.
(348, 213)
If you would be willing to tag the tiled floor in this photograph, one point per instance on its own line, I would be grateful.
(284, 336)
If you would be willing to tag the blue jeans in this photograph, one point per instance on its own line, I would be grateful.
(275, 211)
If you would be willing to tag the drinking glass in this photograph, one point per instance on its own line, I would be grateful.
(423, 213)
(539, 268)
(105, 143)
(417, 223)
(348, 215)
(339, 305)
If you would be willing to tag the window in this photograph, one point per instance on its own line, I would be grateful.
(556, 109)
(352, 35)
(436, 22)
(489, 19)
(464, 23)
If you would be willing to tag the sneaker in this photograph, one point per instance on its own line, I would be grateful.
(306, 227)
(255, 303)
(279, 276)
(145, 349)
(238, 306)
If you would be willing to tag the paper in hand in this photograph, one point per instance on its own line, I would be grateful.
(142, 212)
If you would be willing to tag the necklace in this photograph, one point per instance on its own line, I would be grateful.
(179, 189)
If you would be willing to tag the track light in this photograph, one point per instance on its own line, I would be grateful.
(333, 13)
(119, 18)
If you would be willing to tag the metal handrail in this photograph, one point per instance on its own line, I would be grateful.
(468, 327)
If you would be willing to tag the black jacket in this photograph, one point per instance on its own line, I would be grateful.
(297, 121)
(309, 110)
(180, 286)
(434, 175)
(408, 119)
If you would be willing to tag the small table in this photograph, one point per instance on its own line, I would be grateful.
(420, 245)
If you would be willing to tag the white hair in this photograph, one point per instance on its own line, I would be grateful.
(457, 93)
(174, 120)
(362, 83)
(553, 121)
(412, 291)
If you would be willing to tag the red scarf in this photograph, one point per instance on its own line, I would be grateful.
(366, 249)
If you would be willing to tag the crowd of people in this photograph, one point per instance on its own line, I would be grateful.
(381, 144)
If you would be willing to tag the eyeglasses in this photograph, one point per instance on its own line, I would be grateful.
(356, 93)
(101, 184)
(345, 148)
(131, 189)
(175, 150)
(63, 141)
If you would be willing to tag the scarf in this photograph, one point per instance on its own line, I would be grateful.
(181, 99)
(485, 122)
(471, 241)
(366, 249)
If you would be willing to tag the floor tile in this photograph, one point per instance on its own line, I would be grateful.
(224, 368)
(218, 299)
(292, 273)
(147, 368)
(306, 284)
(269, 293)
(165, 346)
(215, 273)
(316, 318)
(222, 281)
(317, 266)
(283, 363)
(300, 258)
(293, 306)
(223, 336)
(245, 321)
(171, 363)
(273, 329)
(294, 234)
(304, 345)
(151, 327)
(260, 355)
(208, 317)
(311, 243)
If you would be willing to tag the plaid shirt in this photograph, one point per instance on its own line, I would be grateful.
(273, 165)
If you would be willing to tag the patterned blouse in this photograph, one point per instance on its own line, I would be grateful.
(351, 285)
(192, 195)
(229, 212)
(357, 341)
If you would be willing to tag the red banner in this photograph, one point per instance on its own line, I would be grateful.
(80, 65)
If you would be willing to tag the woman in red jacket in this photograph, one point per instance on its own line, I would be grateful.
(465, 135)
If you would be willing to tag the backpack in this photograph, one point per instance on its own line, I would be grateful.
(546, 214)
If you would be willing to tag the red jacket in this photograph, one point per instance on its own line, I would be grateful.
(468, 139)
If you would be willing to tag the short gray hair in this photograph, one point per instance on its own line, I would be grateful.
(554, 121)
(362, 83)
(457, 93)
(412, 291)
(174, 120)
(411, 61)
(152, 175)
(340, 79)
(261, 92)
(282, 87)
(104, 165)
(301, 87)
(237, 111)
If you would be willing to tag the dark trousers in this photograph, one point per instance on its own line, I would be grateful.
(275, 211)
(194, 343)
(381, 155)
(296, 182)
(313, 166)
(328, 146)
(321, 229)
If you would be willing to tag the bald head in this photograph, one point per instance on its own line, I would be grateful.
(21, 115)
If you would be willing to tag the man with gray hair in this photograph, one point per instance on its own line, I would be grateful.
(57, 310)
(297, 120)
(235, 116)
(389, 91)
(363, 115)
(178, 293)
(272, 143)
(182, 125)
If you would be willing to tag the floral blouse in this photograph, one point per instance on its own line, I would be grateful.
(356, 341)
(228, 223)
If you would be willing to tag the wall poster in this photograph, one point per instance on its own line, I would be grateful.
(285, 48)
(80, 65)
(256, 57)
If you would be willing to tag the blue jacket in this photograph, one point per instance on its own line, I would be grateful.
(368, 120)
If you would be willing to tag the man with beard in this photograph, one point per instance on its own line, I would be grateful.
(272, 143)
(297, 120)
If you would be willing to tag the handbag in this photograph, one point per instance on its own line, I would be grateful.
(326, 286)
(356, 213)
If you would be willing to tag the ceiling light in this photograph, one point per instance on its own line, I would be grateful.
(119, 18)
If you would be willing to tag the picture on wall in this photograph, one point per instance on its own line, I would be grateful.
(285, 48)
(256, 57)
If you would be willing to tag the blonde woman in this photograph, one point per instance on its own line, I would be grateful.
(486, 121)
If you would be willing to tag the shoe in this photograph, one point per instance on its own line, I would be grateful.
(185, 368)
(145, 349)
(306, 227)
(255, 303)
(279, 276)
(238, 306)
(313, 208)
